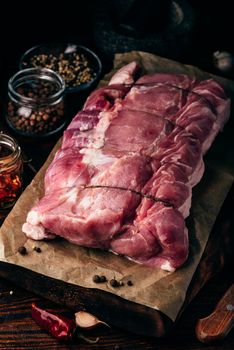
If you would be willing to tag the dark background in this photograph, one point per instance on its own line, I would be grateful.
(25, 24)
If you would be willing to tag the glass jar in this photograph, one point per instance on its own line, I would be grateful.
(36, 102)
(11, 167)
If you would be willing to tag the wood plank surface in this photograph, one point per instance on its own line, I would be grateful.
(19, 331)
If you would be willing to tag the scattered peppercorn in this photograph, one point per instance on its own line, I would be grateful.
(114, 283)
(103, 279)
(99, 279)
(22, 250)
(96, 279)
(37, 249)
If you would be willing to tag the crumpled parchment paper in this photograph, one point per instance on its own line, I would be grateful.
(154, 288)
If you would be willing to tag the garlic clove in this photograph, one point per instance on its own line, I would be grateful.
(88, 321)
(223, 60)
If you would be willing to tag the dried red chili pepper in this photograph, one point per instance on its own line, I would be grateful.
(60, 327)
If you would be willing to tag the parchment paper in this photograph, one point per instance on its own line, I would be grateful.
(154, 288)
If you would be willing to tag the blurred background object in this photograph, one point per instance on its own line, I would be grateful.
(162, 27)
(224, 62)
(188, 30)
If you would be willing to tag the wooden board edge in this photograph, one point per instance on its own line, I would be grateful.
(108, 307)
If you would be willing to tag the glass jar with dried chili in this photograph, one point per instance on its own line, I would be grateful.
(11, 167)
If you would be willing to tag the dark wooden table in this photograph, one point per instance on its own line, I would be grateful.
(19, 331)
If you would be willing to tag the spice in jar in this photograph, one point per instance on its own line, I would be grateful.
(10, 171)
(35, 103)
(73, 67)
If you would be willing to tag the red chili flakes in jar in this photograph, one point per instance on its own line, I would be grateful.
(10, 171)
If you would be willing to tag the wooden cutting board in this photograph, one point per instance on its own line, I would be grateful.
(119, 312)
(122, 308)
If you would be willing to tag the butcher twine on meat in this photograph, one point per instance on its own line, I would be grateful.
(122, 179)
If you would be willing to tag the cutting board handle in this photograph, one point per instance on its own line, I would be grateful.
(217, 325)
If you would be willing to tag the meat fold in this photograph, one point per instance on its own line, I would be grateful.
(160, 239)
(122, 179)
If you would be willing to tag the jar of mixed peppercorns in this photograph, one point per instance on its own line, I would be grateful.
(10, 171)
(36, 102)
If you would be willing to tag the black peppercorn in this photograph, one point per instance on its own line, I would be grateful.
(22, 250)
(114, 283)
(129, 283)
(103, 279)
(37, 249)
(96, 279)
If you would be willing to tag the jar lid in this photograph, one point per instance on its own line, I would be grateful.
(36, 87)
(9, 150)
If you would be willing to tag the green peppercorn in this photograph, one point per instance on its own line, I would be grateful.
(74, 68)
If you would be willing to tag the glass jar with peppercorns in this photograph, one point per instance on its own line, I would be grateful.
(11, 167)
(36, 102)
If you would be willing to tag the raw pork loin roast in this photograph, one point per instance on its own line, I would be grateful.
(122, 179)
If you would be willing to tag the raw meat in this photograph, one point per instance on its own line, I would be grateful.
(122, 180)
